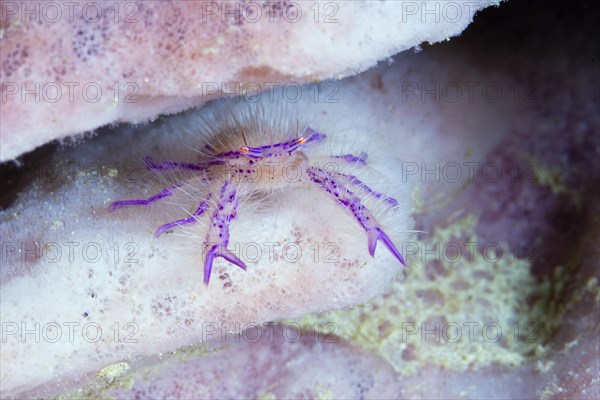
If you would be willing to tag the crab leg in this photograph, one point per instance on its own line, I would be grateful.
(330, 183)
(217, 237)
(352, 159)
(193, 218)
(357, 182)
(362, 159)
(115, 205)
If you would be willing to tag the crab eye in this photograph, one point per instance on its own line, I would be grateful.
(244, 150)
(301, 140)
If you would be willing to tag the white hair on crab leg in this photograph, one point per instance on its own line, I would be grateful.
(249, 153)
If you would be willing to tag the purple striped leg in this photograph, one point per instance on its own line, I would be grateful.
(360, 184)
(217, 237)
(115, 205)
(352, 159)
(330, 183)
(193, 218)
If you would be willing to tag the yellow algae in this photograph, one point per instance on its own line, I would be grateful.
(122, 376)
(550, 177)
(454, 312)
(267, 396)
(324, 393)
(113, 172)
(113, 371)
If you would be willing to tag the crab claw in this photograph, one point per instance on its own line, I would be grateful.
(376, 234)
(220, 251)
